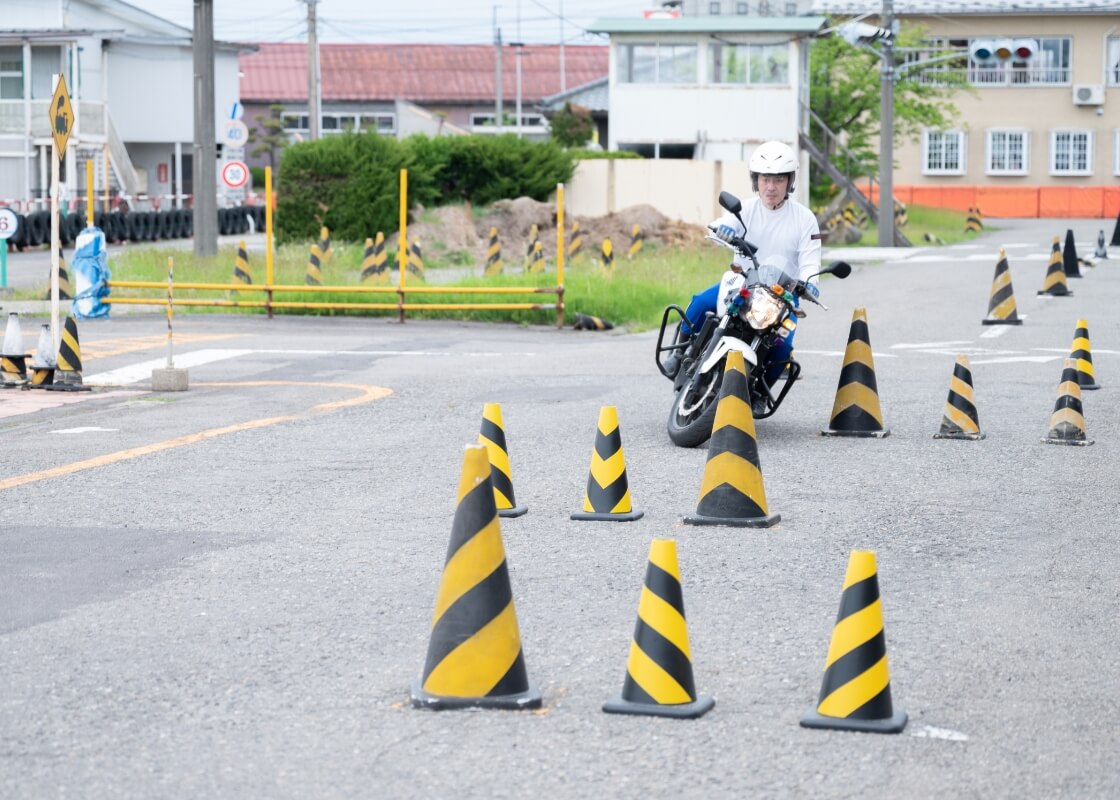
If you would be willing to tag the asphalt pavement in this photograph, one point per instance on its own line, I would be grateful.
(227, 592)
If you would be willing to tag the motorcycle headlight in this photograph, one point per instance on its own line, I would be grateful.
(764, 310)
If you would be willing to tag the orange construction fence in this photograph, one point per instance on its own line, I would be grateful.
(1013, 201)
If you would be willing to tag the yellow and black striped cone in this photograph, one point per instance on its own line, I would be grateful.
(474, 653)
(856, 689)
(493, 255)
(575, 243)
(416, 259)
(659, 678)
(493, 435)
(43, 364)
(587, 322)
(325, 252)
(534, 240)
(974, 223)
(64, 290)
(1067, 423)
(1054, 283)
(608, 492)
(1001, 304)
(1070, 262)
(960, 420)
(241, 272)
(732, 492)
(537, 264)
(856, 410)
(13, 359)
(314, 276)
(68, 372)
(608, 255)
(1082, 356)
(373, 261)
(637, 239)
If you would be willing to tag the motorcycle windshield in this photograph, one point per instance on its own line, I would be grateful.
(769, 274)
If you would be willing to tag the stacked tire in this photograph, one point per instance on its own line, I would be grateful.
(133, 226)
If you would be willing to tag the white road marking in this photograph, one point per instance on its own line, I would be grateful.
(930, 732)
(964, 247)
(87, 430)
(996, 331)
(1016, 359)
(925, 345)
(143, 371)
(442, 354)
(1066, 350)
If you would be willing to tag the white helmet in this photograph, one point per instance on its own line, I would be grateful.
(773, 158)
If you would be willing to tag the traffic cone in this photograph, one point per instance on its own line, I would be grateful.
(1116, 233)
(608, 256)
(1054, 283)
(537, 263)
(1070, 261)
(959, 420)
(974, 223)
(416, 259)
(856, 689)
(43, 364)
(1067, 423)
(501, 475)
(1001, 304)
(373, 261)
(493, 255)
(474, 654)
(637, 239)
(1082, 356)
(325, 252)
(64, 290)
(732, 492)
(608, 492)
(856, 410)
(241, 272)
(314, 276)
(68, 373)
(1101, 251)
(659, 679)
(587, 322)
(13, 358)
(575, 243)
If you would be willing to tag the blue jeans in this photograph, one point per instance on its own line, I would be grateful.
(705, 301)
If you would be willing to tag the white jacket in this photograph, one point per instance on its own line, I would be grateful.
(789, 234)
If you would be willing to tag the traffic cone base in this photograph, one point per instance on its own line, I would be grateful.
(694, 710)
(1015, 321)
(529, 699)
(894, 724)
(769, 521)
(602, 516)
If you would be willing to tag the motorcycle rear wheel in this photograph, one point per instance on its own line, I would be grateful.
(696, 428)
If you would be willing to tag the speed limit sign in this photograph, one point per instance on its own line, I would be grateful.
(9, 223)
(235, 174)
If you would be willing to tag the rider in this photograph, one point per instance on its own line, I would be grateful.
(781, 228)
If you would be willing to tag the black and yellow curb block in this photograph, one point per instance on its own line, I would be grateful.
(608, 493)
(960, 419)
(1067, 423)
(375, 268)
(607, 253)
(1071, 264)
(536, 262)
(474, 653)
(637, 239)
(974, 222)
(531, 246)
(68, 372)
(575, 243)
(416, 259)
(241, 272)
(732, 491)
(1082, 355)
(493, 436)
(65, 292)
(1054, 282)
(856, 410)
(1001, 303)
(587, 322)
(314, 276)
(325, 252)
(493, 255)
(43, 365)
(856, 689)
(659, 678)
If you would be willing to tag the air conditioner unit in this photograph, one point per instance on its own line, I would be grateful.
(1088, 94)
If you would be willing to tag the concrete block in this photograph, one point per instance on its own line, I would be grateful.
(169, 379)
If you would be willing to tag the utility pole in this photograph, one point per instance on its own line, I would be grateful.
(497, 72)
(205, 188)
(886, 130)
(563, 77)
(517, 125)
(313, 112)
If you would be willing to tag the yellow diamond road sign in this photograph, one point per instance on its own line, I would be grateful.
(62, 117)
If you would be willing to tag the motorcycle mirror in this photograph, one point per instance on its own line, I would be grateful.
(730, 202)
(841, 269)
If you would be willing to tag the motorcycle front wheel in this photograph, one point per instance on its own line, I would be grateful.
(694, 409)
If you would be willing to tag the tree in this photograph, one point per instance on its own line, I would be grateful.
(571, 126)
(844, 93)
(274, 137)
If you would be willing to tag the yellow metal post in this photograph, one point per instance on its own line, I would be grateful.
(89, 193)
(268, 236)
(402, 243)
(559, 255)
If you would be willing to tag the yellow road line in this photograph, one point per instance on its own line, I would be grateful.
(123, 346)
(367, 394)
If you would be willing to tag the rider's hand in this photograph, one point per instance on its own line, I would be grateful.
(725, 232)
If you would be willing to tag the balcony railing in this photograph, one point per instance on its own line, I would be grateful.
(989, 77)
(91, 121)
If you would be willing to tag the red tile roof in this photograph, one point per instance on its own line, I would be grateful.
(415, 72)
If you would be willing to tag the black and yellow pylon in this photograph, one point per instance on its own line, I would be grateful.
(493, 255)
(608, 492)
(1070, 262)
(314, 276)
(588, 322)
(1067, 423)
(374, 266)
(974, 222)
(575, 243)
(241, 271)
(537, 262)
(493, 436)
(637, 239)
(474, 653)
(531, 246)
(856, 689)
(416, 258)
(1001, 303)
(659, 679)
(1054, 283)
(608, 255)
(960, 419)
(1082, 356)
(900, 216)
(856, 411)
(732, 492)
(13, 359)
(325, 251)
(68, 372)
(65, 292)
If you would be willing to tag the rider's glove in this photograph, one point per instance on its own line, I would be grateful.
(812, 291)
(725, 232)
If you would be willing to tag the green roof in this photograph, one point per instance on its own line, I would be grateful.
(708, 24)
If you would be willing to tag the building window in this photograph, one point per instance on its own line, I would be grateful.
(742, 9)
(943, 152)
(46, 62)
(754, 64)
(381, 123)
(713, 8)
(764, 8)
(330, 123)
(1008, 152)
(1112, 60)
(11, 73)
(1071, 152)
(657, 63)
(483, 121)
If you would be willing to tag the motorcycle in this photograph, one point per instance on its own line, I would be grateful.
(756, 310)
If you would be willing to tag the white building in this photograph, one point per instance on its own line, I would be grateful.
(130, 76)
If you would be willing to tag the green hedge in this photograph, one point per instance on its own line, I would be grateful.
(581, 155)
(350, 183)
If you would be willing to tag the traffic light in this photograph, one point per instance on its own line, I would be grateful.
(990, 51)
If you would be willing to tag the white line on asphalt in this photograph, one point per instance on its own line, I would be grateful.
(143, 371)
(930, 732)
(1015, 359)
(390, 353)
(928, 344)
(996, 331)
(87, 430)
(964, 247)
